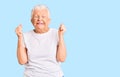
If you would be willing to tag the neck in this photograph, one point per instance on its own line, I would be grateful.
(41, 30)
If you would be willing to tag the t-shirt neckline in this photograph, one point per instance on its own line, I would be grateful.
(40, 34)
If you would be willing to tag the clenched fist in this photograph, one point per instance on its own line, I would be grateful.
(18, 31)
(61, 30)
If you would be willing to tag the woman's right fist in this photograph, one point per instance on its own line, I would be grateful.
(18, 31)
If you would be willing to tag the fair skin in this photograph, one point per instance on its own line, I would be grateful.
(40, 21)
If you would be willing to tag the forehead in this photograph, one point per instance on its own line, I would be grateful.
(40, 12)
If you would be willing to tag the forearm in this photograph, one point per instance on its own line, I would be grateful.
(61, 53)
(21, 52)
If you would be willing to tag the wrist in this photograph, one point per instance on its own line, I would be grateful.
(20, 38)
(61, 38)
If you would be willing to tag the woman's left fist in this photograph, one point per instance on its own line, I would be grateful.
(62, 29)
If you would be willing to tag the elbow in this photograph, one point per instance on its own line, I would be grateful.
(23, 62)
(61, 59)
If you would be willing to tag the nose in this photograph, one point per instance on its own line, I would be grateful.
(39, 18)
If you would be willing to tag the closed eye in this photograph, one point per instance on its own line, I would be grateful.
(43, 16)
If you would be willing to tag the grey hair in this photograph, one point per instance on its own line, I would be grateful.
(39, 7)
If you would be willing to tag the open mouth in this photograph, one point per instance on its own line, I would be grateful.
(40, 23)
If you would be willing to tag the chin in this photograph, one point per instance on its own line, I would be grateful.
(41, 26)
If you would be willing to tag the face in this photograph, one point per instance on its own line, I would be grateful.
(40, 19)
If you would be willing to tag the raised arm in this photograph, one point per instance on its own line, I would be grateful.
(21, 50)
(61, 49)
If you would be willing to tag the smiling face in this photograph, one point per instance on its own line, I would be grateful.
(40, 19)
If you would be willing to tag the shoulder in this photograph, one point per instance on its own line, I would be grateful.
(28, 34)
(54, 30)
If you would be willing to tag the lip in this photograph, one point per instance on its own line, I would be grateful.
(40, 23)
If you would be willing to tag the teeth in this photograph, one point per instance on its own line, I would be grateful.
(41, 22)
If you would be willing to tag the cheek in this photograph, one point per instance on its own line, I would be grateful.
(33, 22)
(47, 21)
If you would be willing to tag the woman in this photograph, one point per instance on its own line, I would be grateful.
(42, 49)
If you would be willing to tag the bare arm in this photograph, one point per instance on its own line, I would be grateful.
(21, 50)
(61, 49)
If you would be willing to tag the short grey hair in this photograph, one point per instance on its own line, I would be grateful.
(39, 7)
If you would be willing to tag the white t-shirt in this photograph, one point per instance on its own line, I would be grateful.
(41, 50)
